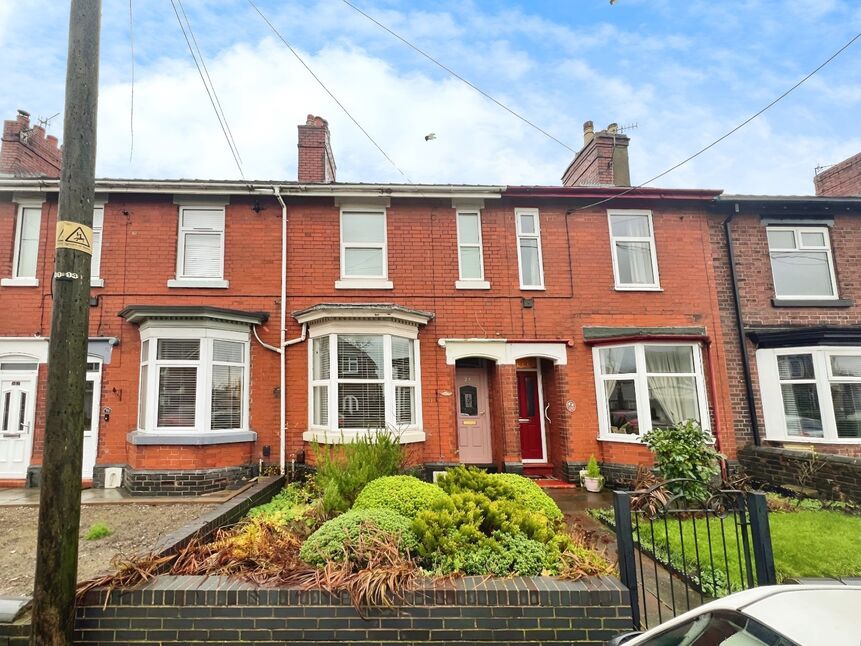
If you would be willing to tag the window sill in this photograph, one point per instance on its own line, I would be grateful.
(199, 283)
(97, 282)
(472, 284)
(19, 282)
(800, 441)
(621, 439)
(524, 288)
(638, 288)
(190, 438)
(328, 436)
(364, 283)
(811, 302)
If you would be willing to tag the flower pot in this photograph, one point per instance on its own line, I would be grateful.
(594, 484)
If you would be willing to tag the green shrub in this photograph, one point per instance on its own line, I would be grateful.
(97, 531)
(592, 468)
(327, 543)
(404, 494)
(500, 486)
(530, 495)
(475, 532)
(684, 451)
(344, 470)
(292, 504)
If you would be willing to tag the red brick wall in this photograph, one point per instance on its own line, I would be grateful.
(841, 179)
(139, 256)
(580, 292)
(756, 288)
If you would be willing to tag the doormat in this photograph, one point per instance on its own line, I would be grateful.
(549, 482)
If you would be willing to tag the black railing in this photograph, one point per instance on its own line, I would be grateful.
(677, 552)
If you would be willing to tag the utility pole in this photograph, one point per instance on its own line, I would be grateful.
(60, 497)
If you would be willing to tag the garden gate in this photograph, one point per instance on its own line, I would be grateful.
(675, 554)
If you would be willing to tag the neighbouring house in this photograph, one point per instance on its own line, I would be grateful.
(790, 299)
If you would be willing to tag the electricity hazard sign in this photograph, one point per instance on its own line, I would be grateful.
(74, 235)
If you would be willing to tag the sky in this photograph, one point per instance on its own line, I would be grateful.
(684, 71)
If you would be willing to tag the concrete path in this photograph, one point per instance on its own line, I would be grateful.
(23, 497)
(662, 595)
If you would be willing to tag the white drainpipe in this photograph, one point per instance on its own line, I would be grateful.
(283, 336)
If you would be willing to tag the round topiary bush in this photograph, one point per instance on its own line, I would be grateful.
(404, 494)
(327, 543)
(530, 495)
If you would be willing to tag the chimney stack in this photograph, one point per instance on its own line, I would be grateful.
(316, 161)
(603, 160)
(26, 151)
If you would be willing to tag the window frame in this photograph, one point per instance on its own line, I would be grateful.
(203, 386)
(772, 397)
(654, 286)
(383, 246)
(181, 279)
(16, 280)
(463, 282)
(641, 387)
(797, 230)
(96, 279)
(529, 236)
(332, 433)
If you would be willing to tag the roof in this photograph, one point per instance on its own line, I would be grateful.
(142, 313)
(377, 311)
(618, 192)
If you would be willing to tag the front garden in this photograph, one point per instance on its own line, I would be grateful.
(361, 524)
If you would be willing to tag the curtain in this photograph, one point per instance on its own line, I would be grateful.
(676, 397)
(635, 263)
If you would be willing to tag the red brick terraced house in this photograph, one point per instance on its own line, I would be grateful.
(790, 297)
(517, 328)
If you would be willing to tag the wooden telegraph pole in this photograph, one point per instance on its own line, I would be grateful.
(60, 497)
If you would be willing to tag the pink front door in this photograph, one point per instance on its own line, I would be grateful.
(473, 423)
(529, 412)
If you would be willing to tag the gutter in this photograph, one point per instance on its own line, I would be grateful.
(739, 322)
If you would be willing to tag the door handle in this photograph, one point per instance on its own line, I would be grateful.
(524, 420)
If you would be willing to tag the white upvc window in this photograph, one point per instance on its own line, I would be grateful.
(361, 383)
(193, 380)
(470, 252)
(529, 257)
(648, 385)
(802, 264)
(811, 394)
(26, 250)
(364, 248)
(632, 245)
(200, 247)
(96, 279)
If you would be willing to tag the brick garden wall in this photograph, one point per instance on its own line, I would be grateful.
(835, 477)
(214, 610)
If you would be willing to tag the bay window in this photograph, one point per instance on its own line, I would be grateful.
(193, 380)
(811, 394)
(645, 386)
(362, 382)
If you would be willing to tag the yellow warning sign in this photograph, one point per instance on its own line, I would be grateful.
(74, 235)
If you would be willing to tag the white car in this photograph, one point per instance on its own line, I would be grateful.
(779, 615)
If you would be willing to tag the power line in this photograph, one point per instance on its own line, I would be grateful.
(208, 92)
(459, 77)
(730, 132)
(323, 85)
(132, 103)
(211, 84)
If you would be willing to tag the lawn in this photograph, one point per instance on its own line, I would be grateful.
(806, 543)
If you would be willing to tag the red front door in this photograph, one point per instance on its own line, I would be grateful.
(531, 444)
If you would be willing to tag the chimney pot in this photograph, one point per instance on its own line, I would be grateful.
(23, 113)
(613, 128)
(588, 132)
